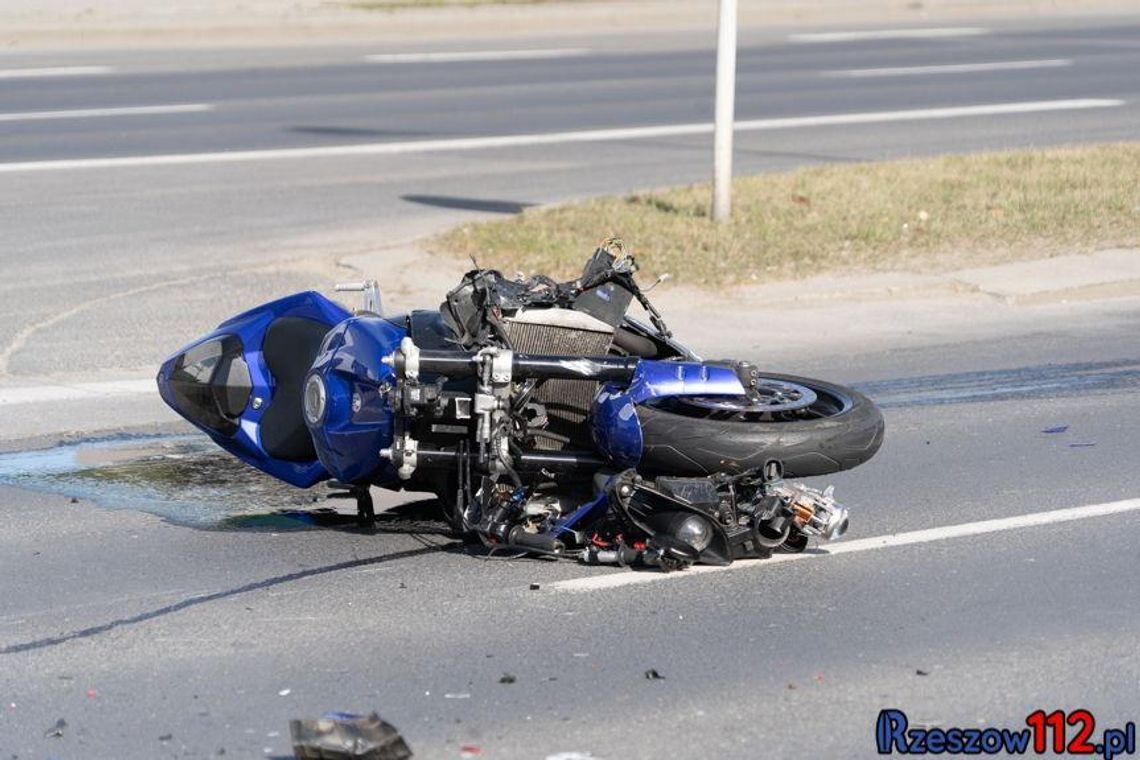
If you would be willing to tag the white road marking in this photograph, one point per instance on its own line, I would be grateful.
(93, 113)
(553, 138)
(888, 34)
(477, 55)
(38, 394)
(953, 68)
(629, 578)
(56, 71)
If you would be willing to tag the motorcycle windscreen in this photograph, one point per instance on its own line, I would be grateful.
(242, 384)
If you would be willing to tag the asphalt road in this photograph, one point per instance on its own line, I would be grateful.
(155, 639)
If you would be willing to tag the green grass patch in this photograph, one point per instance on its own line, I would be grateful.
(923, 214)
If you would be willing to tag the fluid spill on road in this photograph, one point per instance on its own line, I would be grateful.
(184, 479)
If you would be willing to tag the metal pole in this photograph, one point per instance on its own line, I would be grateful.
(725, 111)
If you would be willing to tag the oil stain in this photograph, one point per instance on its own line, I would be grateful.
(187, 480)
(1035, 382)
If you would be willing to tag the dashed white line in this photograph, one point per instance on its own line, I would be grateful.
(95, 113)
(554, 138)
(466, 56)
(953, 68)
(56, 71)
(888, 34)
(947, 532)
(48, 392)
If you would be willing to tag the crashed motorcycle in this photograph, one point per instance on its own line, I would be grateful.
(546, 419)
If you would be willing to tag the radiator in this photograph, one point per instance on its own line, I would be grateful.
(562, 332)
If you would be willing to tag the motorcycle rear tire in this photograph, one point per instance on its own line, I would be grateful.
(680, 439)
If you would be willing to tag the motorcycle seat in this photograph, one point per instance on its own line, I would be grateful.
(290, 346)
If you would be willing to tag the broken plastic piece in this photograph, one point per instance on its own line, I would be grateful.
(653, 675)
(1055, 429)
(344, 736)
(507, 678)
(56, 730)
(1082, 445)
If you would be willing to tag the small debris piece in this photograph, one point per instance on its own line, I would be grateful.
(535, 586)
(56, 730)
(166, 737)
(343, 736)
(507, 678)
(653, 675)
(1082, 445)
(791, 687)
(457, 695)
(92, 694)
(921, 672)
(470, 750)
(74, 500)
(284, 692)
(1055, 429)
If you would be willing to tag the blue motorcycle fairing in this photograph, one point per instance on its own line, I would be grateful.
(238, 430)
(357, 422)
(614, 425)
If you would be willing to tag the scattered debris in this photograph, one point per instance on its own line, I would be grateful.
(1082, 444)
(921, 672)
(344, 736)
(284, 692)
(56, 731)
(1055, 429)
(507, 678)
(535, 586)
(653, 675)
(470, 750)
(166, 737)
(457, 695)
(402, 585)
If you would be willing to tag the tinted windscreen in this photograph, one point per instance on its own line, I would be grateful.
(211, 384)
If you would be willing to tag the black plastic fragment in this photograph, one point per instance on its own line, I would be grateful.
(56, 730)
(507, 678)
(342, 736)
(653, 675)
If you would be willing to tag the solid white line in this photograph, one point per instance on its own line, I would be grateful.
(93, 113)
(888, 34)
(627, 578)
(954, 68)
(552, 138)
(56, 71)
(477, 55)
(38, 394)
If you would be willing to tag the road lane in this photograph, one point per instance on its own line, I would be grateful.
(235, 617)
(333, 104)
